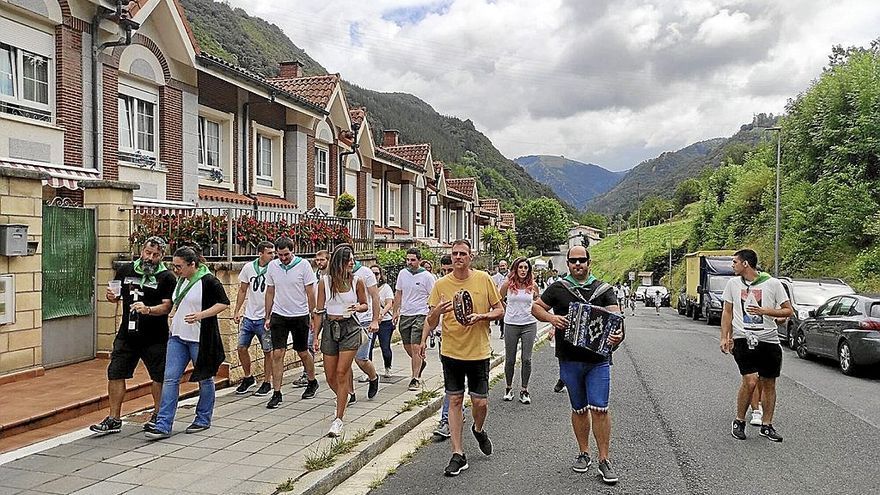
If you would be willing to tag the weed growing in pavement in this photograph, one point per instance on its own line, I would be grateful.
(327, 456)
(382, 423)
(540, 344)
(495, 379)
(420, 399)
(287, 486)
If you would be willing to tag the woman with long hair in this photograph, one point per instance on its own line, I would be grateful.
(195, 337)
(519, 324)
(386, 322)
(340, 294)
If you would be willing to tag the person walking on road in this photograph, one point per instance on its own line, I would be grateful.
(752, 301)
(587, 375)
(520, 291)
(658, 301)
(195, 337)
(386, 323)
(414, 285)
(322, 257)
(465, 352)
(290, 299)
(341, 294)
(252, 288)
(369, 322)
(499, 278)
(145, 288)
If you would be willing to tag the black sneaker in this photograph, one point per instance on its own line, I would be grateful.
(769, 433)
(246, 384)
(609, 476)
(738, 429)
(560, 386)
(155, 434)
(194, 428)
(310, 390)
(483, 439)
(151, 423)
(275, 401)
(414, 385)
(456, 465)
(352, 398)
(264, 390)
(109, 425)
(373, 388)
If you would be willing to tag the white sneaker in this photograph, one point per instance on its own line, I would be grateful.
(757, 417)
(387, 372)
(508, 395)
(364, 378)
(335, 428)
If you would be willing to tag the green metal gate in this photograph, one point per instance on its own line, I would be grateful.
(69, 253)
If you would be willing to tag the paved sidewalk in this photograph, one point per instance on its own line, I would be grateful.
(249, 449)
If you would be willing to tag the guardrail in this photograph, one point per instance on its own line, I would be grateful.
(234, 233)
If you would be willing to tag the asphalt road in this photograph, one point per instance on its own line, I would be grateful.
(672, 402)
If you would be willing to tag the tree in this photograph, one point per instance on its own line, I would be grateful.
(542, 224)
(686, 193)
(595, 220)
(492, 241)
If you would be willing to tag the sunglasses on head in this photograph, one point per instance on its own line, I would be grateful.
(574, 261)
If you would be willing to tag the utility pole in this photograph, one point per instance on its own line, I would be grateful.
(776, 233)
(638, 213)
(670, 248)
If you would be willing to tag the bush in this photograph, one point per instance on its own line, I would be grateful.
(344, 204)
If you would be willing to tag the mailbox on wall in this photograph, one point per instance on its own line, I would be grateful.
(13, 239)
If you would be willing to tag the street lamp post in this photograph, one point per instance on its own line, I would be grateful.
(776, 233)
(670, 247)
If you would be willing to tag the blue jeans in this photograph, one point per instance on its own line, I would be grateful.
(178, 355)
(386, 329)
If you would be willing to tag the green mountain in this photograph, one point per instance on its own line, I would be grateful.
(573, 181)
(259, 46)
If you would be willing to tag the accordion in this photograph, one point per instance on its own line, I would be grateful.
(589, 327)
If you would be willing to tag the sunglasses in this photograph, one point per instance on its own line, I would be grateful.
(574, 261)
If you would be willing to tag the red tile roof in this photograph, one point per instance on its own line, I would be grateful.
(399, 231)
(490, 206)
(416, 153)
(223, 195)
(315, 89)
(466, 185)
(381, 230)
(358, 115)
(394, 158)
(508, 218)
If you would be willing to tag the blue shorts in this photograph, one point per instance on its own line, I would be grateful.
(588, 384)
(254, 328)
(363, 352)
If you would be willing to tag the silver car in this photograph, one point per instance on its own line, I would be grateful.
(806, 295)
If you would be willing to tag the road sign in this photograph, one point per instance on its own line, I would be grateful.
(632, 276)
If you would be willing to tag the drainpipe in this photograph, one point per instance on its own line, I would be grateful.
(245, 139)
(354, 151)
(128, 26)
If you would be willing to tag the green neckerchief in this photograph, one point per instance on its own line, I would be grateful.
(357, 266)
(762, 277)
(257, 268)
(589, 281)
(417, 270)
(295, 261)
(148, 278)
(180, 290)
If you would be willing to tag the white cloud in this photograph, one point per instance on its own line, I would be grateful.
(611, 83)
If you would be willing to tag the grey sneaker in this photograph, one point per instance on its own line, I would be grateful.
(302, 381)
(108, 425)
(609, 476)
(442, 430)
(738, 429)
(582, 463)
(155, 434)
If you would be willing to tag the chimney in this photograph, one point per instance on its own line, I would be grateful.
(290, 70)
(390, 138)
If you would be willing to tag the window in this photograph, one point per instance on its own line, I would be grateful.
(137, 129)
(377, 201)
(393, 204)
(845, 307)
(209, 145)
(264, 161)
(419, 207)
(825, 310)
(24, 83)
(322, 172)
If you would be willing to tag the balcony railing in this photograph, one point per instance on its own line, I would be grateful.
(233, 233)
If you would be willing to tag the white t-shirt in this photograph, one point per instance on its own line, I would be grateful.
(519, 308)
(369, 278)
(290, 287)
(191, 303)
(499, 278)
(255, 307)
(767, 294)
(415, 290)
(386, 293)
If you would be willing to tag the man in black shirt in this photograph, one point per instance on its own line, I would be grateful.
(586, 374)
(147, 287)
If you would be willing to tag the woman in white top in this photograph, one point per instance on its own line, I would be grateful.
(519, 325)
(340, 294)
(195, 336)
(386, 323)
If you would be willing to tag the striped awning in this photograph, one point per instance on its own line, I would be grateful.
(60, 176)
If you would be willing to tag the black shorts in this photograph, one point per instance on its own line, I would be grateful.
(765, 359)
(282, 326)
(127, 352)
(456, 370)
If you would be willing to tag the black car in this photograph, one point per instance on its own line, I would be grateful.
(806, 295)
(845, 328)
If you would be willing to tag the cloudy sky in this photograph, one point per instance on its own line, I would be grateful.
(606, 82)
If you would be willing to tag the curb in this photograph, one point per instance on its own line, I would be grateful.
(345, 469)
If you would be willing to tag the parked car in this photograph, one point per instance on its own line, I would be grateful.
(806, 295)
(640, 292)
(845, 328)
(650, 293)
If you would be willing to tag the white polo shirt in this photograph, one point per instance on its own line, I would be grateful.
(415, 290)
(290, 287)
(369, 278)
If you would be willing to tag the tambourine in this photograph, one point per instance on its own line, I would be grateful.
(462, 306)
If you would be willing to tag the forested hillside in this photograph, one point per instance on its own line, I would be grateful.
(573, 181)
(258, 46)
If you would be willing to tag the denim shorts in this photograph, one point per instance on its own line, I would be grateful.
(254, 328)
(363, 352)
(588, 384)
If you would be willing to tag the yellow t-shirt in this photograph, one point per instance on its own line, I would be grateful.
(459, 342)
